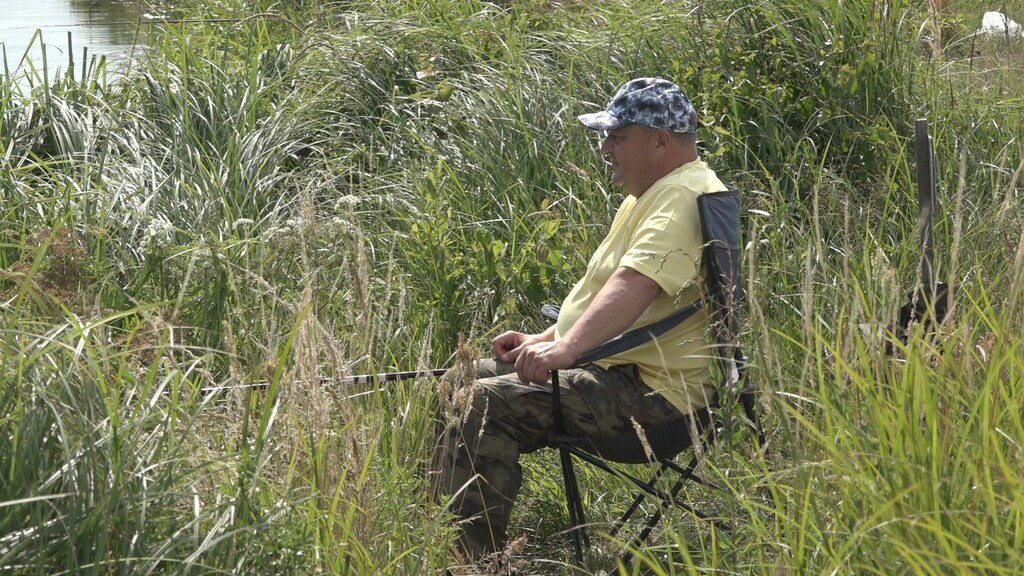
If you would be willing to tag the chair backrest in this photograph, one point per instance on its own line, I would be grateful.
(720, 227)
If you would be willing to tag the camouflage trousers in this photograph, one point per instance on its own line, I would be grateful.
(497, 418)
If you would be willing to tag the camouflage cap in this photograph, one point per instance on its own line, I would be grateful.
(652, 102)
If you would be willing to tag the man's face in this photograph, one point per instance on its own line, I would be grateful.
(630, 151)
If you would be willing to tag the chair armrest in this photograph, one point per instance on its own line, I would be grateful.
(633, 338)
(550, 311)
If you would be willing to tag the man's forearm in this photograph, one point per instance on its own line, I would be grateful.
(617, 306)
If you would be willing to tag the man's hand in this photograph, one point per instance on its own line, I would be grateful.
(508, 346)
(536, 361)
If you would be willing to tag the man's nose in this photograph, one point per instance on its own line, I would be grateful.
(606, 147)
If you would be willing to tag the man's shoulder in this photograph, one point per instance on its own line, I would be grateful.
(698, 177)
(692, 179)
(685, 185)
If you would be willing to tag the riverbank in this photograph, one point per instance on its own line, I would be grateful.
(324, 190)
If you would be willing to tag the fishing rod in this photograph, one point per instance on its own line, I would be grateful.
(378, 378)
(151, 20)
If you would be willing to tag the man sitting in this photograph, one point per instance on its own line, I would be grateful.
(647, 267)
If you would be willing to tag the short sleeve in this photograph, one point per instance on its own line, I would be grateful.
(666, 244)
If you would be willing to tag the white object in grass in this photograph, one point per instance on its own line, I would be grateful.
(997, 23)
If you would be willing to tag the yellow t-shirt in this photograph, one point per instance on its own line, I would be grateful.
(658, 235)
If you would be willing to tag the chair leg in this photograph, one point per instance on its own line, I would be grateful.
(637, 500)
(686, 473)
(572, 489)
(580, 540)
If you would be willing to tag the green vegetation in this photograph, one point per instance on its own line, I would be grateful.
(297, 191)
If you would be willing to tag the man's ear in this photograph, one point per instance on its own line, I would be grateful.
(662, 138)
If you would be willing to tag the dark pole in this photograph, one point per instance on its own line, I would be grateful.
(927, 200)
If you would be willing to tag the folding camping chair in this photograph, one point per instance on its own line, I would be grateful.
(720, 226)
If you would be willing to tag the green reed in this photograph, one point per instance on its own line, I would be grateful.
(322, 190)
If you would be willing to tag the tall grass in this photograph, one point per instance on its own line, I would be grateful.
(320, 190)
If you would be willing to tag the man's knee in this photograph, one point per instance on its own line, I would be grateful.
(490, 368)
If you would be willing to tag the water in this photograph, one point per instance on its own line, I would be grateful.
(101, 27)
